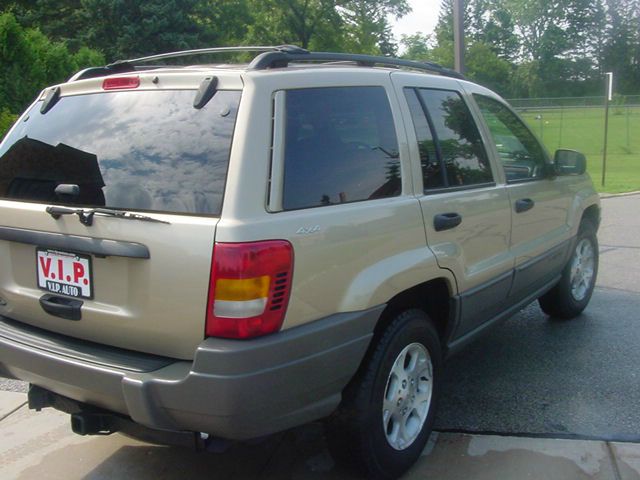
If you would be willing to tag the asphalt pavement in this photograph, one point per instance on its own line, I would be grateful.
(529, 377)
(577, 378)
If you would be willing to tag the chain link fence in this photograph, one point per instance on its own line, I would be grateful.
(572, 102)
(578, 124)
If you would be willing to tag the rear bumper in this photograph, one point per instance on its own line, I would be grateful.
(232, 389)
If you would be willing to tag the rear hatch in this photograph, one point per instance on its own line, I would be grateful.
(142, 151)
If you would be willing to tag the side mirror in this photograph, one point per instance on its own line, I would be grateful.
(569, 162)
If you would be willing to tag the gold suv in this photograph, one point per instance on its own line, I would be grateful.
(234, 250)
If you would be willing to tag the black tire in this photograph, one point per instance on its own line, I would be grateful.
(355, 433)
(560, 302)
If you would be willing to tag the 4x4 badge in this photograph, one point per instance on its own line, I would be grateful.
(308, 230)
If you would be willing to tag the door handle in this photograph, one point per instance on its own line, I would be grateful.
(62, 307)
(524, 204)
(446, 221)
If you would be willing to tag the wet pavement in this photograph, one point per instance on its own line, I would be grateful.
(563, 396)
(578, 378)
(41, 445)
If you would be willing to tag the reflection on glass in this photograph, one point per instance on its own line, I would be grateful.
(340, 146)
(521, 154)
(31, 170)
(463, 154)
(134, 150)
(432, 174)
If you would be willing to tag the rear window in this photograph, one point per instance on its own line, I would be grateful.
(131, 150)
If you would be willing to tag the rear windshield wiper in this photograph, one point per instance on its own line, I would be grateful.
(86, 216)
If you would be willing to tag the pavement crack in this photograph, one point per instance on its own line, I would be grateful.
(614, 461)
(602, 287)
(615, 247)
(13, 411)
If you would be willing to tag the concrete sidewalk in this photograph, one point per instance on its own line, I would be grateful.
(41, 445)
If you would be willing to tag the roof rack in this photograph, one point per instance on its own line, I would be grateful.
(279, 59)
(131, 65)
(204, 51)
(269, 57)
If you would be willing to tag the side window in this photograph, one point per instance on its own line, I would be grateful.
(458, 140)
(521, 154)
(432, 173)
(340, 146)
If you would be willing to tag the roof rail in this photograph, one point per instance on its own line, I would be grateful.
(281, 58)
(204, 51)
(121, 66)
(269, 57)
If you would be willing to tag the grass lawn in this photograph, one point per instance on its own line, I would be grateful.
(582, 129)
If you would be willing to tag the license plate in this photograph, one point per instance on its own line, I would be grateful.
(64, 273)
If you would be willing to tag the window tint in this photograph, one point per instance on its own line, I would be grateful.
(459, 143)
(522, 155)
(143, 150)
(340, 146)
(432, 173)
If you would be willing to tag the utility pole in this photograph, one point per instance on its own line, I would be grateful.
(607, 99)
(458, 35)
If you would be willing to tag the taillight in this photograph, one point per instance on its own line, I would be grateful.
(249, 288)
(120, 83)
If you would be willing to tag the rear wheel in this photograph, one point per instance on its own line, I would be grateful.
(388, 409)
(572, 293)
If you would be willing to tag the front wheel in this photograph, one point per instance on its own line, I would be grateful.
(387, 412)
(572, 293)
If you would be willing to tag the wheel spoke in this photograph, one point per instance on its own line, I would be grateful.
(403, 438)
(392, 387)
(413, 361)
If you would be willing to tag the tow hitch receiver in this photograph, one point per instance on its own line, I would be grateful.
(87, 423)
(85, 420)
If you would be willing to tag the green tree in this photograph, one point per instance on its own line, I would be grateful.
(6, 120)
(416, 46)
(222, 22)
(547, 29)
(621, 52)
(554, 46)
(487, 68)
(367, 27)
(351, 25)
(495, 28)
(31, 61)
(125, 29)
(296, 22)
(59, 20)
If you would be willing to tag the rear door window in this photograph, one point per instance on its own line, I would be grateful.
(340, 146)
(143, 150)
(459, 146)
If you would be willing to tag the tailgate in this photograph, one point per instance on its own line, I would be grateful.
(133, 283)
(155, 305)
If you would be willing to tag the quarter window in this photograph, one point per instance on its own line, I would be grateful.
(522, 156)
(340, 146)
